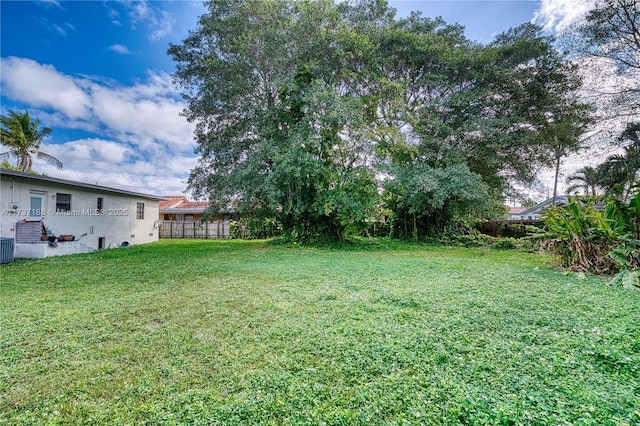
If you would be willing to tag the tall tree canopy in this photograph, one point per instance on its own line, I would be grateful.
(607, 43)
(23, 136)
(308, 110)
(612, 30)
(278, 129)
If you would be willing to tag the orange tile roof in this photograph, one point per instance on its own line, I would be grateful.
(195, 205)
(172, 201)
(179, 202)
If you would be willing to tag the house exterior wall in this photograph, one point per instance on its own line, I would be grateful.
(528, 216)
(117, 222)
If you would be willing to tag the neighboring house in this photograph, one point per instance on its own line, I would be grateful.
(534, 213)
(91, 216)
(181, 218)
(515, 213)
(178, 207)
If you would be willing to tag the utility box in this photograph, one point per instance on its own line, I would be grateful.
(7, 249)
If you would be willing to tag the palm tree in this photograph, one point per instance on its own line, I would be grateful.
(619, 174)
(586, 179)
(23, 136)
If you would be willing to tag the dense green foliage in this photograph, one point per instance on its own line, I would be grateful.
(425, 199)
(307, 111)
(620, 173)
(587, 239)
(586, 179)
(383, 333)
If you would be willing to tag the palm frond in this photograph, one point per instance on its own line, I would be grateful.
(49, 159)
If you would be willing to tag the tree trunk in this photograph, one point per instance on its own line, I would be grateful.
(415, 227)
(555, 181)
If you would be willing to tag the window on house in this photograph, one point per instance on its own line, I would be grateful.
(100, 204)
(63, 202)
(140, 211)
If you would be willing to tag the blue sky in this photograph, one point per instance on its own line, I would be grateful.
(97, 72)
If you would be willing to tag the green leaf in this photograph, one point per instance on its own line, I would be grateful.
(631, 280)
(617, 280)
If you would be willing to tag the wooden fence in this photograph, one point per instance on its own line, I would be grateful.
(516, 228)
(194, 229)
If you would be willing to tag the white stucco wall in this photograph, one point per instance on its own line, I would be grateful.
(116, 223)
(38, 251)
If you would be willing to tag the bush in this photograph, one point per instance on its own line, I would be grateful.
(588, 240)
(506, 228)
(477, 239)
(506, 243)
(249, 228)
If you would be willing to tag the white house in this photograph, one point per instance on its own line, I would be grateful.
(83, 217)
(515, 213)
(534, 212)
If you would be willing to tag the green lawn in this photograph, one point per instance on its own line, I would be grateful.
(240, 333)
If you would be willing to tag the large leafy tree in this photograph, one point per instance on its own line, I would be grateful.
(502, 110)
(427, 200)
(277, 128)
(23, 136)
(300, 107)
(526, 113)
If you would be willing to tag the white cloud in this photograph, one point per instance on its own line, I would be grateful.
(43, 86)
(95, 151)
(161, 25)
(61, 29)
(141, 142)
(557, 15)
(158, 23)
(137, 112)
(118, 48)
(93, 161)
(51, 3)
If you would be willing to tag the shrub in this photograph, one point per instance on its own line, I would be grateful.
(478, 239)
(506, 243)
(588, 240)
(250, 228)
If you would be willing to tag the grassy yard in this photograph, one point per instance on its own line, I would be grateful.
(241, 333)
